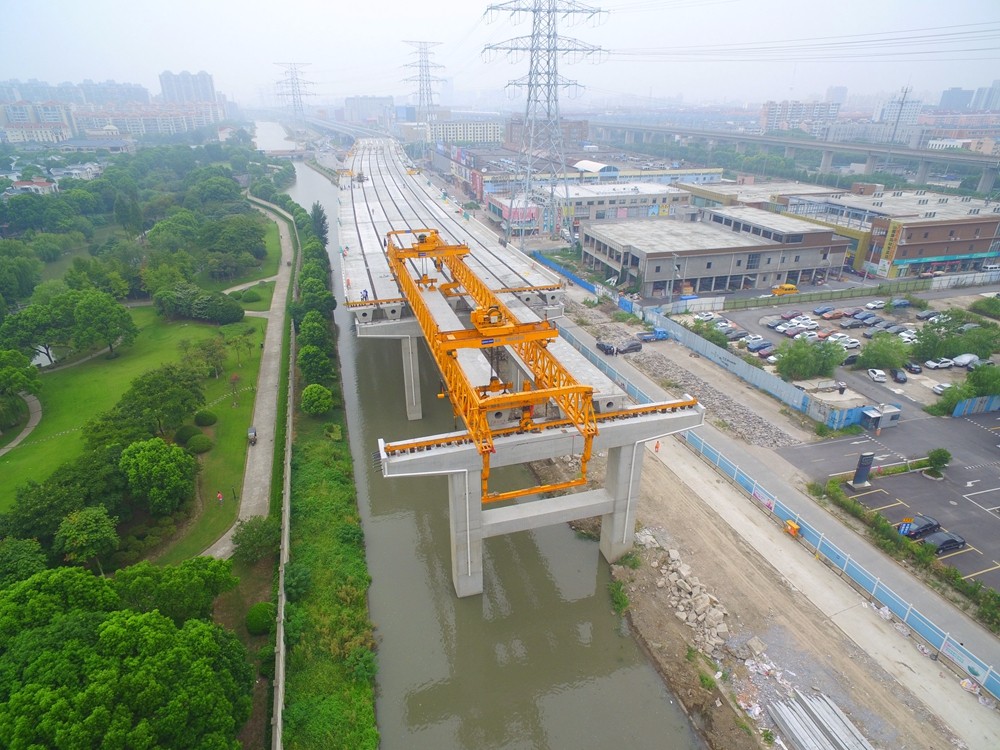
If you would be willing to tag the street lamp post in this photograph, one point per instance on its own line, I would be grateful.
(674, 268)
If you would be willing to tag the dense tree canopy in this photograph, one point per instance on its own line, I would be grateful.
(101, 319)
(163, 475)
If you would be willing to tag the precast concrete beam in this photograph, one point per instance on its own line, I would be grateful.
(546, 512)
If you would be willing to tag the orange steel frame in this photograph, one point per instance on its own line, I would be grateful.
(495, 326)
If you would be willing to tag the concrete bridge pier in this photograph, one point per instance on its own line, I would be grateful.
(923, 169)
(622, 484)
(870, 163)
(789, 152)
(465, 514)
(986, 181)
(411, 379)
(826, 163)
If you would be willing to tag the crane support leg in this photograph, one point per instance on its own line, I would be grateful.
(622, 484)
(411, 379)
(465, 501)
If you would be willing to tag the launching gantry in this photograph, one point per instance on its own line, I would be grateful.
(494, 326)
(551, 414)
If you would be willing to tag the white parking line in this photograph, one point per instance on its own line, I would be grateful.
(970, 495)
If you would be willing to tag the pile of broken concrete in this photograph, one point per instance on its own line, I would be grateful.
(692, 603)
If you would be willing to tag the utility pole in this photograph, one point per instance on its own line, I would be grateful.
(542, 158)
(424, 79)
(292, 88)
(895, 127)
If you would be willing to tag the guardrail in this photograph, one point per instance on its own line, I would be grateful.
(947, 647)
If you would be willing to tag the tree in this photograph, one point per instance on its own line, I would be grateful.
(710, 333)
(314, 364)
(100, 318)
(985, 381)
(79, 670)
(163, 475)
(19, 560)
(314, 330)
(86, 535)
(212, 351)
(316, 400)
(801, 359)
(885, 352)
(938, 459)
(17, 374)
(319, 222)
(256, 538)
(163, 398)
(180, 592)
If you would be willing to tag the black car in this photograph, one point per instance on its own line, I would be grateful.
(736, 334)
(927, 314)
(944, 541)
(775, 323)
(851, 323)
(627, 347)
(898, 376)
(850, 360)
(921, 526)
(913, 367)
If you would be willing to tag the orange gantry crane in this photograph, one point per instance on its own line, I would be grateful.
(494, 326)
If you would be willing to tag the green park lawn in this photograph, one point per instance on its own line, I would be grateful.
(266, 290)
(268, 267)
(72, 396)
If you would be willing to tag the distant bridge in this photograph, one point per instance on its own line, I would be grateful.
(288, 153)
(637, 133)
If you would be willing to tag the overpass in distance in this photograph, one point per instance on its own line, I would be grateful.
(630, 133)
(417, 269)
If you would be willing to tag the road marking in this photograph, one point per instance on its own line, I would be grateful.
(858, 442)
(972, 482)
(892, 505)
(883, 457)
(996, 565)
(980, 492)
(869, 492)
(970, 548)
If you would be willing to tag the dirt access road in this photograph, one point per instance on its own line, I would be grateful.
(831, 641)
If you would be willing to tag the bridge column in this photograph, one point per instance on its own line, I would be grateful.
(622, 483)
(465, 516)
(789, 152)
(987, 180)
(411, 379)
(923, 168)
(826, 163)
(741, 147)
(870, 163)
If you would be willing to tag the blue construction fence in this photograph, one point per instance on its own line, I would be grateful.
(946, 646)
(979, 405)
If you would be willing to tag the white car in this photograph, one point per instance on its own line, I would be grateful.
(808, 335)
(835, 337)
(876, 304)
(809, 325)
(877, 375)
(942, 363)
(800, 320)
(752, 338)
(941, 388)
(722, 323)
(850, 343)
(705, 316)
(784, 327)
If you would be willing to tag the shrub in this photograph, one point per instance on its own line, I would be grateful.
(256, 538)
(251, 295)
(939, 458)
(205, 418)
(361, 664)
(260, 618)
(237, 294)
(619, 599)
(200, 444)
(265, 657)
(630, 560)
(185, 433)
(707, 681)
(298, 581)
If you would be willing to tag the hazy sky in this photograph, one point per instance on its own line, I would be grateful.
(703, 50)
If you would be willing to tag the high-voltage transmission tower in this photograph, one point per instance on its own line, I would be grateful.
(542, 156)
(424, 79)
(292, 88)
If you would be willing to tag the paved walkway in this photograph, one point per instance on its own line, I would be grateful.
(255, 497)
(34, 417)
(930, 681)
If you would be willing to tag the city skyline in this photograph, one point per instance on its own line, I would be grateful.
(655, 51)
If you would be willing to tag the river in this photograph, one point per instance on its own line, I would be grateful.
(539, 660)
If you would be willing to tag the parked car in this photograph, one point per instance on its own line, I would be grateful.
(766, 352)
(837, 337)
(979, 363)
(895, 329)
(772, 324)
(736, 334)
(921, 526)
(759, 345)
(851, 323)
(799, 319)
(944, 541)
(625, 347)
(928, 314)
(940, 388)
(874, 321)
(875, 304)
(773, 359)
(850, 343)
(897, 375)
(864, 315)
(790, 314)
(941, 363)
(793, 331)
(964, 360)
(723, 323)
(900, 303)
(849, 360)
(967, 327)
(705, 316)
(913, 367)
(752, 337)
(877, 375)
(809, 325)
(823, 309)
(833, 315)
(808, 336)
(850, 312)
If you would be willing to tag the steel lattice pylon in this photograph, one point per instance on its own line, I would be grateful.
(542, 156)
(291, 89)
(424, 79)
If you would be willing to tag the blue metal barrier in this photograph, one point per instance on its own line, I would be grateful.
(984, 674)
